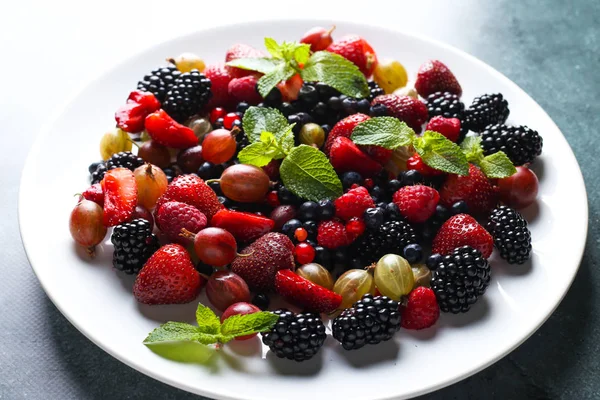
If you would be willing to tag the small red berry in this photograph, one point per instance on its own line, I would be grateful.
(369, 183)
(416, 203)
(355, 226)
(301, 234)
(273, 199)
(304, 253)
(229, 119)
(216, 113)
(416, 162)
(449, 127)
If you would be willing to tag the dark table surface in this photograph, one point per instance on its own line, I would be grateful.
(549, 48)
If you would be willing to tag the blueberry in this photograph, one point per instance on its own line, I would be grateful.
(373, 218)
(413, 253)
(377, 192)
(326, 128)
(261, 301)
(441, 213)
(274, 97)
(378, 110)
(363, 106)
(393, 212)
(340, 256)
(225, 201)
(308, 95)
(218, 123)
(382, 205)
(350, 178)
(460, 207)
(293, 119)
(428, 231)
(237, 123)
(349, 105)
(308, 210)
(216, 187)
(209, 171)
(287, 109)
(394, 185)
(311, 228)
(289, 228)
(242, 107)
(319, 110)
(410, 177)
(311, 242)
(323, 257)
(326, 210)
(433, 261)
(204, 268)
(93, 166)
(304, 118)
(325, 91)
(285, 196)
(334, 103)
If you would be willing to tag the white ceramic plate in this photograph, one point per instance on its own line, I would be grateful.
(98, 301)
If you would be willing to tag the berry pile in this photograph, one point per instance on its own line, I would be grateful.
(287, 188)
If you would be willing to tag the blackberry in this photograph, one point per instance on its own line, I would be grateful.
(374, 90)
(446, 104)
(159, 81)
(520, 143)
(370, 320)
(98, 174)
(189, 93)
(486, 110)
(295, 336)
(459, 279)
(391, 237)
(124, 159)
(511, 235)
(134, 243)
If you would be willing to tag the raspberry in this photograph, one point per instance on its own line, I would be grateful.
(353, 203)
(174, 216)
(332, 234)
(449, 127)
(416, 203)
(422, 310)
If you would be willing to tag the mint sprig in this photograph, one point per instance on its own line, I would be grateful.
(387, 132)
(440, 153)
(290, 58)
(496, 165)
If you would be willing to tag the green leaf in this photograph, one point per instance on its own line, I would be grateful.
(307, 172)
(268, 81)
(497, 165)
(388, 132)
(337, 72)
(173, 332)
(208, 322)
(264, 65)
(471, 147)
(256, 154)
(440, 153)
(241, 325)
(267, 137)
(187, 352)
(258, 120)
(302, 53)
(273, 47)
(286, 139)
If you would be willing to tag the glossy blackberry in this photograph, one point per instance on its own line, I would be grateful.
(520, 143)
(98, 174)
(370, 320)
(159, 81)
(391, 237)
(295, 336)
(511, 235)
(189, 93)
(459, 279)
(134, 243)
(446, 104)
(486, 110)
(124, 159)
(374, 90)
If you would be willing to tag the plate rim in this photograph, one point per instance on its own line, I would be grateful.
(58, 110)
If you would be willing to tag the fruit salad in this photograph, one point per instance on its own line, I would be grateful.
(315, 172)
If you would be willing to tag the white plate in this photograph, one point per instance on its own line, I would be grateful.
(99, 303)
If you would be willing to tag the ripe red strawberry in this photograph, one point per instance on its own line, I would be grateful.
(405, 108)
(357, 50)
(219, 81)
(353, 203)
(345, 156)
(192, 190)
(94, 193)
(166, 131)
(245, 227)
(344, 129)
(422, 310)
(475, 189)
(415, 162)
(244, 89)
(416, 203)
(290, 88)
(377, 153)
(120, 196)
(241, 50)
(462, 230)
(168, 277)
(173, 216)
(303, 293)
(332, 234)
(433, 76)
(449, 127)
(263, 258)
(131, 116)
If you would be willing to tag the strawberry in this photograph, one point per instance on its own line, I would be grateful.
(120, 196)
(475, 189)
(262, 259)
(405, 108)
(449, 127)
(290, 88)
(332, 234)
(244, 89)
(344, 128)
(303, 293)
(377, 153)
(94, 193)
(462, 230)
(416, 162)
(146, 100)
(433, 76)
(353, 203)
(132, 115)
(422, 310)
(345, 156)
(166, 131)
(168, 277)
(241, 50)
(190, 189)
(357, 50)
(244, 226)
(416, 203)
(174, 216)
(219, 81)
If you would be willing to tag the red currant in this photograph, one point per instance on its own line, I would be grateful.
(355, 226)
(217, 113)
(304, 253)
(229, 119)
(301, 234)
(273, 198)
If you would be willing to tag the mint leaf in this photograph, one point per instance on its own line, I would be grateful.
(497, 165)
(241, 325)
(337, 72)
(187, 352)
(440, 153)
(273, 47)
(302, 53)
(471, 146)
(286, 139)
(388, 132)
(256, 154)
(267, 137)
(173, 332)
(268, 81)
(264, 65)
(258, 120)
(307, 172)
(208, 322)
